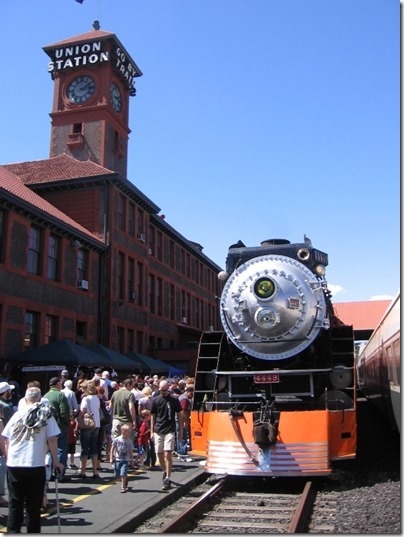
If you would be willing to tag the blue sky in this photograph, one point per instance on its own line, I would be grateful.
(254, 119)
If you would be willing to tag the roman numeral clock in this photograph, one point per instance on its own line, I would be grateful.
(94, 78)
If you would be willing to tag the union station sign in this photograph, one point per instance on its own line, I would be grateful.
(94, 52)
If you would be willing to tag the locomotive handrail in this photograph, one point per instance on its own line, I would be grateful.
(280, 371)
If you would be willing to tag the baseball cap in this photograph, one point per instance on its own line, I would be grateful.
(4, 386)
(53, 381)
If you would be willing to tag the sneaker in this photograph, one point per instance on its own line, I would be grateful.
(188, 459)
(166, 484)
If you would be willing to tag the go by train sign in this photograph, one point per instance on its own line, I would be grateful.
(73, 55)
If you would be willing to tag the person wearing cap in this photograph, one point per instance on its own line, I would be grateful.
(5, 397)
(60, 405)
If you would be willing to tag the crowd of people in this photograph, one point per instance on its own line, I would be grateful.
(138, 421)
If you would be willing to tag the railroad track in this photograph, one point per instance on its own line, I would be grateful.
(222, 509)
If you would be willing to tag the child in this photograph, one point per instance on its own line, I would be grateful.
(71, 440)
(122, 455)
(144, 437)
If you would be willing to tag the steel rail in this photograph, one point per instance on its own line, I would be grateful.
(177, 524)
(303, 509)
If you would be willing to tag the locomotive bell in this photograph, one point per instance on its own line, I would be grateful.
(273, 307)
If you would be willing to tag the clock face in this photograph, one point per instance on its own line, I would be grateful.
(80, 89)
(115, 96)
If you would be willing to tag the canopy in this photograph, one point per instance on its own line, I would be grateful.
(175, 371)
(117, 360)
(151, 365)
(62, 352)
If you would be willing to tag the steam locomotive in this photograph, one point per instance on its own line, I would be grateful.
(275, 390)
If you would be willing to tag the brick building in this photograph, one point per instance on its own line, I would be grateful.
(84, 254)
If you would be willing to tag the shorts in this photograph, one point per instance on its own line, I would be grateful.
(71, 449)
(121, 468)
(164, 442)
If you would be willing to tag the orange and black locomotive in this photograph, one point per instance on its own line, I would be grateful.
(275, 390)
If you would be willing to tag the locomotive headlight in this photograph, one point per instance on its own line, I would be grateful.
(266, 318)
(264, 288)
(222, 276)
(320, 270)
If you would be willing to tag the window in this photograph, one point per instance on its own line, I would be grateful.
(120, 334)
(131, 275)
(188, 265)
(152, 296)
(50, 329)
(53, 257)
(188, 314)
(121, 212)
(159, 245)
(139, 341)
(34, 247)
(2, 234)
(31, 330)
(131, 220)
(197, 313)
(81, 264)
(183, 305)
(81, 330)
(131, 340)
(152, 233)
(159, 296)
(171, 254)
(140, 216)
(77, 128)
(121, 275)
(139, 284)
(171, 302)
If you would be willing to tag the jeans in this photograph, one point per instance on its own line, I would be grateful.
(182, 447)
(62, 447)
(25, 486)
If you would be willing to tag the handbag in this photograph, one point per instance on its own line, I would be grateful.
(86, 419)
(105, 416)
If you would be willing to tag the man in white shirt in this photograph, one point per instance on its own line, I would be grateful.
(29, 435)
(71, 397)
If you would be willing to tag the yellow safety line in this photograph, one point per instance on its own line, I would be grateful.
(69, 503)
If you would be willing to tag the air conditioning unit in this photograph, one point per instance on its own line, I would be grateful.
(150, 251)
(184, 320)
(141, 237)
(82, 284)
(133, 295)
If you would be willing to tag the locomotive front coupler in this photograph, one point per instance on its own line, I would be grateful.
(266, 424)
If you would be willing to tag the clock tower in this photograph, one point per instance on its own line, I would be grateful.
(94, 78)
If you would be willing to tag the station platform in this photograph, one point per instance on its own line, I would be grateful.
(97, 505)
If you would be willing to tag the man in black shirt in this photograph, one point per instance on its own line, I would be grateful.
(162, 432)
